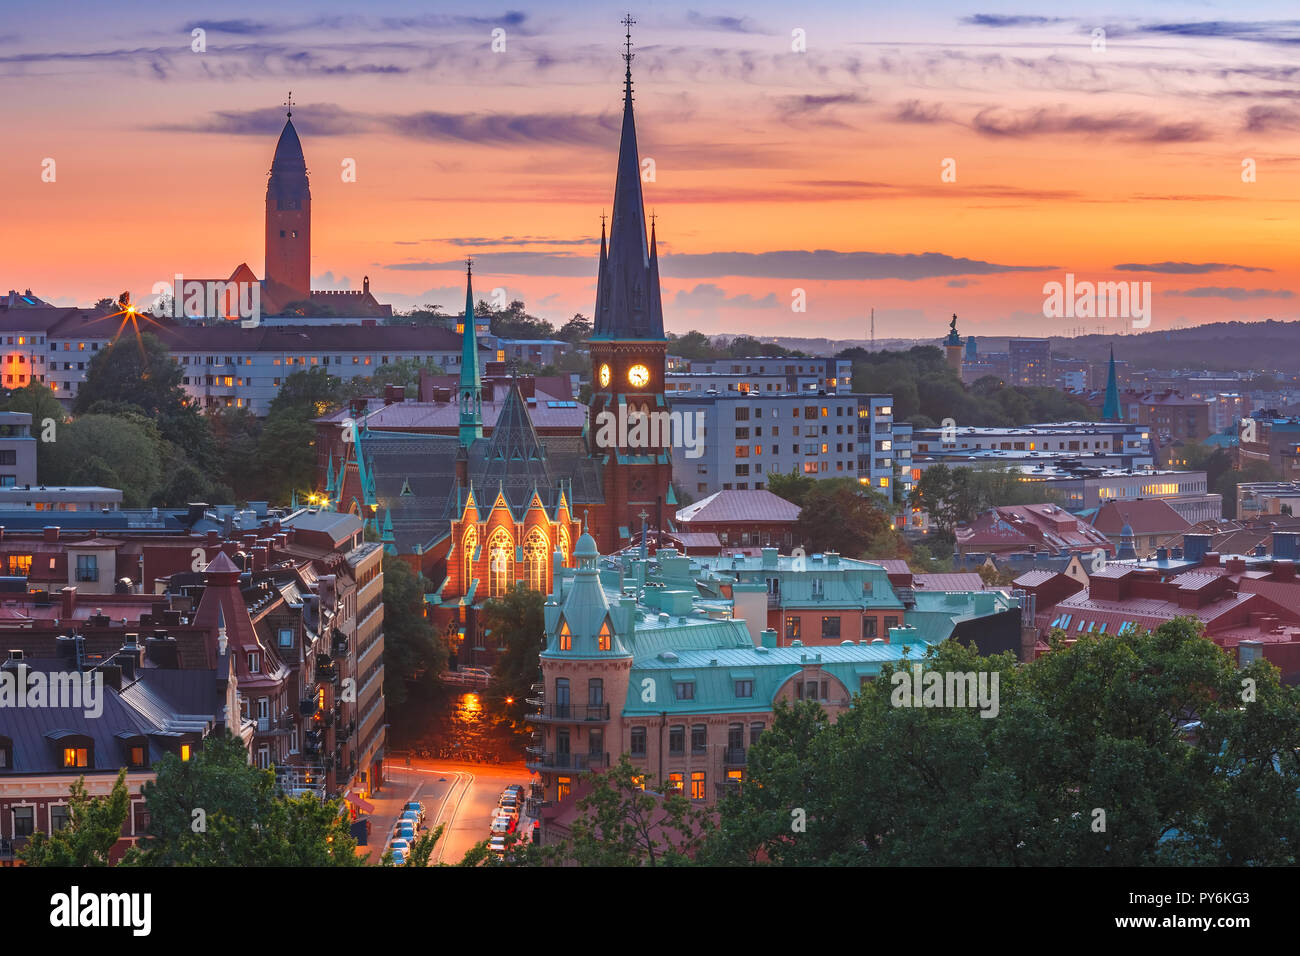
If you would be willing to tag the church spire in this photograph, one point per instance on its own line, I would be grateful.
(626, 306)
(471, 382)
(1111, 411)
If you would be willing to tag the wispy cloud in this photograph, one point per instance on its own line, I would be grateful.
(723, 23)
(796, 264)
(707, 296)
(1186, 268)
(1235, 293)
(1139, 127)
(998, 20)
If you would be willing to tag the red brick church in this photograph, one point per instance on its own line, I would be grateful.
(489, 502)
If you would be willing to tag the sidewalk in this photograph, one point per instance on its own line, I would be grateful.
(400, 787)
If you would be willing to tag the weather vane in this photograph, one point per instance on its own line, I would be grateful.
(289, 103)
(627, 53)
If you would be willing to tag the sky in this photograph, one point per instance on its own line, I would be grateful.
(810, 162)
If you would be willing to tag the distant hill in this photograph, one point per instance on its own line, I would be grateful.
(1270, 346)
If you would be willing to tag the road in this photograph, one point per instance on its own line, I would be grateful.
(460, 795)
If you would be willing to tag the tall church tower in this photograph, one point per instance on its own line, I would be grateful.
(628, 354)
(288, 219)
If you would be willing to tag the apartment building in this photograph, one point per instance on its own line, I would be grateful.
(748, 437)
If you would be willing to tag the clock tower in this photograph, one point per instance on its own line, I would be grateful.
(628, 358)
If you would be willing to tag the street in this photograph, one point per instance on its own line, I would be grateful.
(460, 795)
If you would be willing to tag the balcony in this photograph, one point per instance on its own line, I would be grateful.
(275, 725)
(87, 574)
(327, 674)
(567, 713)
(307, 706)
(578, 763)
(734, 757)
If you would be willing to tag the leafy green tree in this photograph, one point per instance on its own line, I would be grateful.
(421, 850)
(842, 516)
(576, 330)
(39, 401)
(412, 652)
(517, 624)
(94, 826)
(77, 456)
(1139, 749)
(623, 824)
(216, 810)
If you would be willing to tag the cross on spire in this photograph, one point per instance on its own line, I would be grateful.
(289, 103)
(627, 53)
(469, 266)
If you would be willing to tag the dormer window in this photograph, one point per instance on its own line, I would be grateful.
(76, 757)
(566, 637)
(606, 638)
(254, 663)
(6, 754)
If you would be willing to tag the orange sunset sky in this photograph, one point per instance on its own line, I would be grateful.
(775, 168)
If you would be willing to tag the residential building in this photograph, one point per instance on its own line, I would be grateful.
(1042, 528)
(684, 686)
(1030, 362)
(745, 519)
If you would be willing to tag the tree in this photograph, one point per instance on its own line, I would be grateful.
(77, 457)
(412, 652)
(517, 624)
(421, 850)
(216, 810)
(39, 401)
(623, 824)
(841, 515)
(94, 826)
(577, 329)
(1145, 748)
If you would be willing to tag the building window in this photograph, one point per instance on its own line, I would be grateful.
(87, 567)
(566, 637)
(697, 784)
(286, 637)
(20, 565)
(535, 557)
(831, 628)
(595, 692)
(254, 663)
(684, 690)
(869, 627)
(562, 697)
(58, 817)
(755, 731)
(24, 821)
(891, 621)
(76, 757)
(638, 741)
(677, 741)
(792, 628)
(744, 688)
(500, 557)
(699, 738)
(675, 782)
(137, 757)
(562, 787)
(605, 639)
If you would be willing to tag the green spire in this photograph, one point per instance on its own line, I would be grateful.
(1111, 411)
(471, 383)
(329, 478)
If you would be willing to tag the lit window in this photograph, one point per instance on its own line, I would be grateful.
(697, 784)
(75, 757)
(566, 638)
(185, 752)
(605, 640)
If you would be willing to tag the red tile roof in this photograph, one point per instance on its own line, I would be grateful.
(1144, 515)
(739, 506)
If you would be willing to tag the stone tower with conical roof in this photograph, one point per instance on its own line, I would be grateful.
(288, 220)
(628, 351)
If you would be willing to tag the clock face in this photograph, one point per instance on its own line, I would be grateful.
(638, 375)
(604, 376)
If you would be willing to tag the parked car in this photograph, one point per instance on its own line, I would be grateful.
(498, 845)
(399, 858)
(413, 815)
(397, 844)
(418, 807)
(509, 803)
(404, 830)
(504, 823)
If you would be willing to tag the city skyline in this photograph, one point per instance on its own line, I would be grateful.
(774, 170)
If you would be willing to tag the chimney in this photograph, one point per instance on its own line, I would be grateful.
(1283, 569)
(259, 559)
(195, 512)
(1248, 651)
(68, 604)
(1211, 559)
(1286, 544)
(1195, 546)
(51, 532)
(112, 676)
(213, 539)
